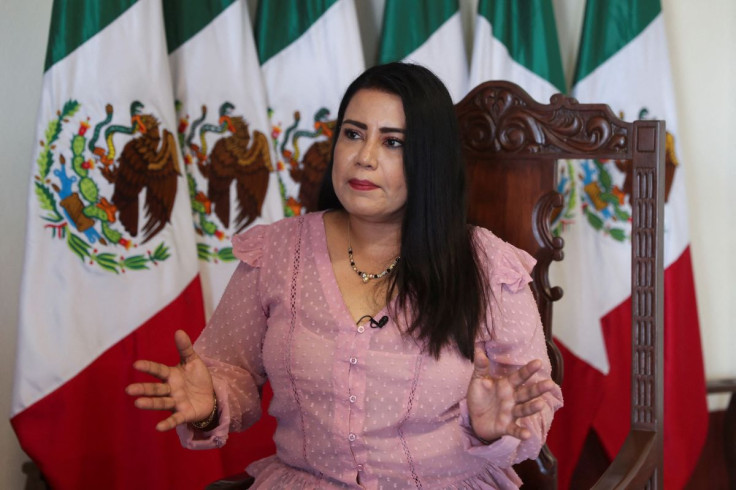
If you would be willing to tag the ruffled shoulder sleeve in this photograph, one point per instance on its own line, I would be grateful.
(509, 267)
(508, 270)
(248, 246)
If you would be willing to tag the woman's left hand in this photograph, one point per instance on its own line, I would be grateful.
(495, 404)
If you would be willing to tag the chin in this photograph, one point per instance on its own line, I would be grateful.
(377, 215)
(370, 207)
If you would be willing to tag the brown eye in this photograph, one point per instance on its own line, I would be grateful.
(351, 134)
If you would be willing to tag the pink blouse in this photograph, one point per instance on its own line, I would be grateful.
(356, 406)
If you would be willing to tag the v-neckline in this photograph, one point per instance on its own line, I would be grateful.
(328, 279)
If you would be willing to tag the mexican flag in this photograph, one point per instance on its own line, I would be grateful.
(517, 41)
(224, 136)
(618, 39)
(223, 130)
(310, 51)
(110, 268)
(433, 37)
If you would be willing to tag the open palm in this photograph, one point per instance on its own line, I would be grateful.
(185, 389)
(496, 403)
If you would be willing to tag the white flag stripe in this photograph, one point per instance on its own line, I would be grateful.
(296, 66)
(444, 53)
(491, 60)
(590, 286)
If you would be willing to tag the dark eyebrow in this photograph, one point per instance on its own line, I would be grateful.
(355, 123)
(364, 126)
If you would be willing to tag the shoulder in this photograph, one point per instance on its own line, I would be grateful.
(506, 265)
(513, 315)
(250, 245)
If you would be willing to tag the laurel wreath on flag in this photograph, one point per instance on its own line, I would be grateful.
(600, 201)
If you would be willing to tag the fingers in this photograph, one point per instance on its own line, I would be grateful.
(528, 408)
(156, 369)
(171, 422)
(481, 364)
(157, 396)
(519, 432)
(162, 371)
(148, 389)
(528, 392)
(155, 403)
(522, 375)
(184, 346)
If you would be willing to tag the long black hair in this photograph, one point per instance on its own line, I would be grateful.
(439, 278)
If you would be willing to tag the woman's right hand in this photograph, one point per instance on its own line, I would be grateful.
(185, 389)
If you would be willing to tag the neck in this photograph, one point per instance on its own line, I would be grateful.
(376, 240)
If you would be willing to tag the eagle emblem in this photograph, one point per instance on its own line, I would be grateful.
(305, 171)
(236, 171)
(88, 192)
(148, 161)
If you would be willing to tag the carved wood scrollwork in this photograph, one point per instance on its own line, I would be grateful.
(497, 118)
(552, 245)
(551, 249)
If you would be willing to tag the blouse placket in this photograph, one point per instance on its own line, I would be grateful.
(349, 374)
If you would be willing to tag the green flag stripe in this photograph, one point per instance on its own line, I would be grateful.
(185, 18)
(607, 27)
(281, 22)
(408, 23)
(527, 29)
(74, 22)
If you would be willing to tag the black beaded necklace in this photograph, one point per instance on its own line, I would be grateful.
(367, 276)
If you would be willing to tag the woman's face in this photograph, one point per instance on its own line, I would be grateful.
(368, 169)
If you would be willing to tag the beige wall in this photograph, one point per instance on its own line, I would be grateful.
(702, 41)
(23, 32)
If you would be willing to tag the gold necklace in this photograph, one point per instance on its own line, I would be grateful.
(367, 276)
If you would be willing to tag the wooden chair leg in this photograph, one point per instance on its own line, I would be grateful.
(34, 478)
(729, 441)
(729, 426)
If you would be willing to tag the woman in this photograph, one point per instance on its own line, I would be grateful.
(404, 348)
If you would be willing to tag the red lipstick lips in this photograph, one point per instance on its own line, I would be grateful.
(362, 185)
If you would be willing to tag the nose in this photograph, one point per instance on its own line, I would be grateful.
(367, 157)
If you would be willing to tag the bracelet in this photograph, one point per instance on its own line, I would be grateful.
(485, 442)
(206, 423)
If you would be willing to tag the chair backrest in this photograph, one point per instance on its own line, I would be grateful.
(511, 144)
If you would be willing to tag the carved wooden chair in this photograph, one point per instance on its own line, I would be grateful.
(511, 144)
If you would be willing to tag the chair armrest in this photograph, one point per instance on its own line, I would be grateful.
(729, 424)
(634, 463)
(727, 385)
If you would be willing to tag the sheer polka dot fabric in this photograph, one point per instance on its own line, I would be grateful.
(360, 407)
